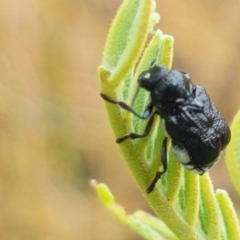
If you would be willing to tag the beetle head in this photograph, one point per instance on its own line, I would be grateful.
(169, 88)
(148, 79)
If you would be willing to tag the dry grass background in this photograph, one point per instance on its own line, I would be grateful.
(54, 133)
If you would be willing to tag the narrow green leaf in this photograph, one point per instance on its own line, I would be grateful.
(155, 224)
(233, 153)
(143, 229)
(229, 215)
(138, 222)
(192, 195)
(107, 198)
(132, 24)
(210, 208)
(173, 178)
(167, 52)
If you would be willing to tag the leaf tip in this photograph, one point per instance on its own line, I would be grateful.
(103, 192)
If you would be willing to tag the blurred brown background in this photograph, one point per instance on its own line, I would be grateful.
(54, 132)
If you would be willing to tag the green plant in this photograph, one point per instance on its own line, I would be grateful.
(186, 204)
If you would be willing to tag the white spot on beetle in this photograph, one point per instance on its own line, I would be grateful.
(147, 75)
(182, 155)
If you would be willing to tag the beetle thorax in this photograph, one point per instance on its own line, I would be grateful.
(170, 94)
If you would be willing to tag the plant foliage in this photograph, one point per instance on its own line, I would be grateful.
(186, 203)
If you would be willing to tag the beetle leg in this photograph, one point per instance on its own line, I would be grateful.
(164, 164)
(135, 135)
(123, 105)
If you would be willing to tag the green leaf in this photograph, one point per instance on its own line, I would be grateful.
(233, 153)
(229, 215)
(185, 202)
(142, 223)
(132, 24)
(210, 218)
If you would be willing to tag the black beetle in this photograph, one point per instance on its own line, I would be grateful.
(196, 128)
